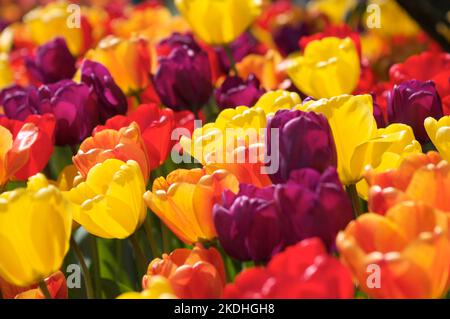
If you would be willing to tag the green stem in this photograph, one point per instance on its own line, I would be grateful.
(86, 273)
(231, 59)
(165, 238)
(44, 289)
(356, 203)
(151, 239)
(141, 262)
(96, 266)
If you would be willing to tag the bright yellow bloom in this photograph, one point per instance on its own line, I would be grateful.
(329, 67)
(6, 75)
(54, 20)
(439, 133)
(273, 101)
(128, 60)
(334, 9)
(358, 141)
(110, 200)
(185, 199)
(158, 287)
(219, 21)
(35, 228)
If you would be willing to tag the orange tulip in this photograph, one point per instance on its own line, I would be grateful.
(184, 201)
(420, 177)
(196, 273)
(124, 144)
(56, 285)
(404, 254)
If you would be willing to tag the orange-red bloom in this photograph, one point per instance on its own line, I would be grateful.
(124, 144)
(196, 273)
(56, 285)
(25, 146)
(420, 177)
(404, 254)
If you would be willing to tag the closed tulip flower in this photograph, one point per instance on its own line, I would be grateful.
(438, 132)
(26, 257)
(123, 144)
(302, 271)
(110, 98)
(248, 223)
(410, 246)
(156, 287)
(128, 61)
(184, 201)
(273, 101)
(183, 78)
(235, 91)
(305, 140)
(328, 67)
(358, 141)
(19, 102)
(53, 62)
(411, 103)
(219, 22)
(196, 273)
(109, 203)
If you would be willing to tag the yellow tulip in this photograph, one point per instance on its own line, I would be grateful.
(54, 20)
(358, 141)
(185, 199)
(35, 229)
(334, 9)
(158, 287)
(273, 101)
(439, 133)
(329, 67)
(6, 75)
(219, 21)
(109, 202)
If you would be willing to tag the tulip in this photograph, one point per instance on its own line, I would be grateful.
(53, 62)
(152, 121)
(193, 274)
(248, 224)
(358, 141)
(219, 22)
(110, 98)
(328, 67)
(54, 20)
(128, 61)
(6, 74)
(411, 102)
(157, 287)
(304, 270)
(396, 245)
(124, 144)
(420, 177)
(184, 201)
(437, 131)
(109, 203)
(27, 257)
(183, 78)
(273, 101)
(235, 91)
(74, 107)
(286, 37)
(305, 140)
(19, 102)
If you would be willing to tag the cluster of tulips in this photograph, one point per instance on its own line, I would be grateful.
(104, 165)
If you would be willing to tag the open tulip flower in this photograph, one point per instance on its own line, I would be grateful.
(209, 149)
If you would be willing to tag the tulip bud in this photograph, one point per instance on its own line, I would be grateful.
(235, 91)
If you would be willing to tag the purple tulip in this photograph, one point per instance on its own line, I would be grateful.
(74, 107)
(312, 204)
(287, 37)
(183, 79)
(411, 103)
(19, 102)
(378, 113)
(247, 224)
(111, 100)
(305, 140)
(53, 62)
(234, 91)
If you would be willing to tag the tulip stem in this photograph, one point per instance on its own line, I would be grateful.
(96, 266)
(165, 238)
(86, 273)
(231, 59)
(44, 289)
(151, 239)
(356, 203)
(141, 262)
